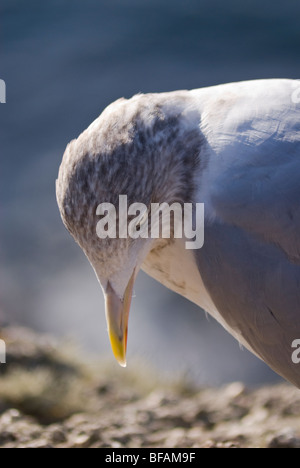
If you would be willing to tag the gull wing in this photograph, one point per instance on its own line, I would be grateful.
(250, 262)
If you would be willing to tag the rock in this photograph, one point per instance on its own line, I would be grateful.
(6, 437)
(58, 436)
(70, 406)
(285, 439)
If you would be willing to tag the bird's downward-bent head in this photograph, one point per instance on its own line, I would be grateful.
(147, 149)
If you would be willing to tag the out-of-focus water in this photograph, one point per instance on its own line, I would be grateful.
(63, 62)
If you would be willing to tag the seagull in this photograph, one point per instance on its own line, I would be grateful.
(235, 148)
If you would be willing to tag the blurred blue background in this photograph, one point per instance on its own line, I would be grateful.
(63, 62)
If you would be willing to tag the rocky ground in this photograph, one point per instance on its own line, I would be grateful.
(49, 398)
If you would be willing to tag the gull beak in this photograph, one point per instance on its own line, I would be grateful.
(117, 314)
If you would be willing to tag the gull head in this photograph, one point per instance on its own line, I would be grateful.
(143, 150)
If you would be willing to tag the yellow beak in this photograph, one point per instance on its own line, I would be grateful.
(117, 314)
